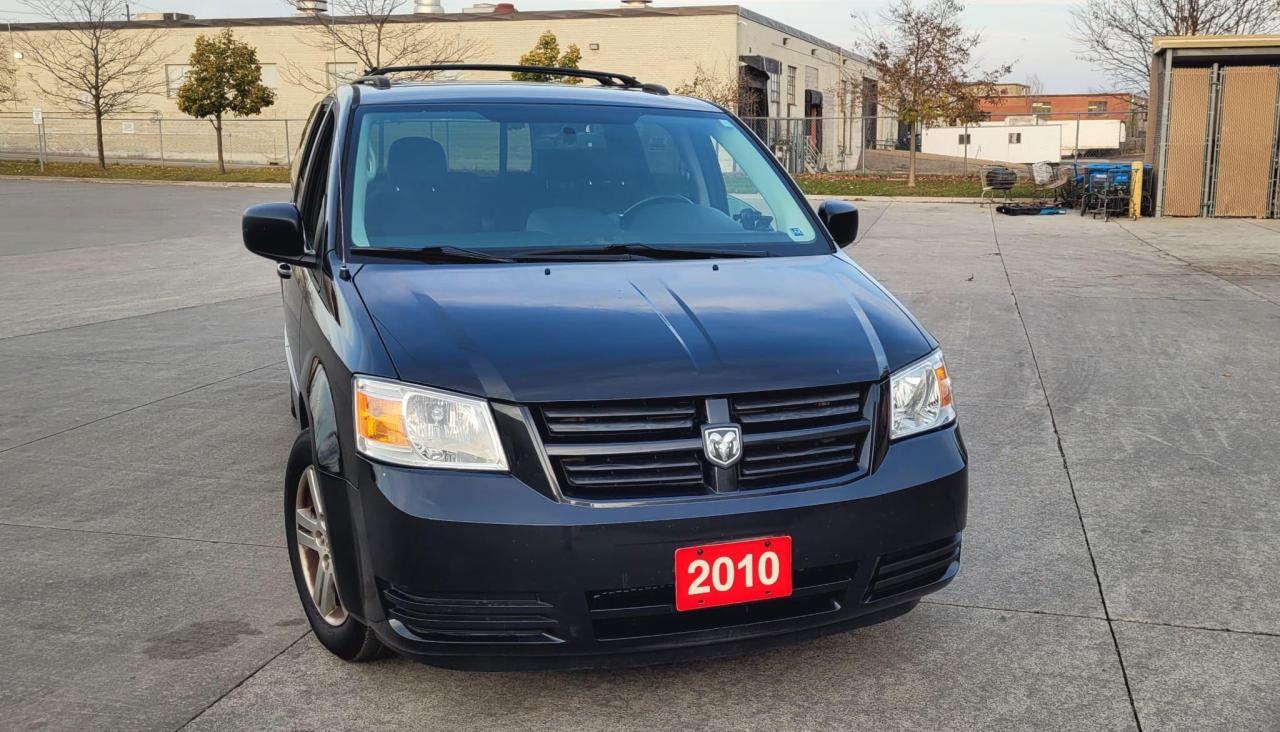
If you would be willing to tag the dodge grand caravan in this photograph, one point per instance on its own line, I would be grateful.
(583, 380)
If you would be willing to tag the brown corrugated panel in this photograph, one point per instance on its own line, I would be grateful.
(1188, 117)
(1247, 139)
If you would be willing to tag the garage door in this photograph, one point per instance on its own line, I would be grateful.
(1188, 128)
(1247, 140)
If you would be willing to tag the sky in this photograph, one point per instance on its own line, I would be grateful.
(1032, 35)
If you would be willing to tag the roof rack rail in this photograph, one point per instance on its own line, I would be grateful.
(378, 77)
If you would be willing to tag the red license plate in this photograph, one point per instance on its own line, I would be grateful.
(733, 572)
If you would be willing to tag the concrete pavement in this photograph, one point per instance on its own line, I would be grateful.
(1116, 387)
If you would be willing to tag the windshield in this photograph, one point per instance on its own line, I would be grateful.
(512, 178)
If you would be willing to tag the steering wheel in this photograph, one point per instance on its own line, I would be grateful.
(625, 219)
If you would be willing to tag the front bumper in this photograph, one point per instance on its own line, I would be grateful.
(482, 571)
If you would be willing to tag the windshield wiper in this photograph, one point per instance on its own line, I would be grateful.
(643, 250)
(441, 255)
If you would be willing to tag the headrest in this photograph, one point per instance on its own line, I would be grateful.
(416, 161)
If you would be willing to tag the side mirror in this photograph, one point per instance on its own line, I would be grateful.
(274, 231)
(841, 219)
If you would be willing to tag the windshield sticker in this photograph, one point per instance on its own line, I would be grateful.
(798, 234)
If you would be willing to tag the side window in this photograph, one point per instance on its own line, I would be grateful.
(670, 163)
(747, 204)
(519, 148)
(316, 178)
(306, 149)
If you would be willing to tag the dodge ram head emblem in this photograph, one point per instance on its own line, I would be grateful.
(723, 444)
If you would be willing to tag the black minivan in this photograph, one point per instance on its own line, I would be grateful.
(583, 380)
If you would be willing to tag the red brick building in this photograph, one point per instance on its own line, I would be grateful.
(1087, 106)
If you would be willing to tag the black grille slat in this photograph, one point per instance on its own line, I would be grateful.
(600, 426)
(612, 466)
(820, 452)
(623, 421)
(639, 410)
(644, 479)
(749, 403)
(629, 475)
(783, 415)
(787, 468)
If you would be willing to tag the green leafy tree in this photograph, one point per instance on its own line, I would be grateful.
(546, 52)
(924, 57)
(225, 78)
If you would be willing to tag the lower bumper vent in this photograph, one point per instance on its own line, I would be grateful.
(646, 612)
(912, 569)
(471, 620)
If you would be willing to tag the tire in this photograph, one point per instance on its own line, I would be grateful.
(338, 631)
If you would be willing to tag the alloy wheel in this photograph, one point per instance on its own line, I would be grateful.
(314, 554)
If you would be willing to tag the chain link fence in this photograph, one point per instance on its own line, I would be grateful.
(872, 145)
(158, 140)
(880, 145)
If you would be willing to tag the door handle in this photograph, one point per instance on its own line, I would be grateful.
(285, 271)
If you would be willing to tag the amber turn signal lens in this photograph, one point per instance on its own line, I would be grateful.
(380, 420)
(944, 386)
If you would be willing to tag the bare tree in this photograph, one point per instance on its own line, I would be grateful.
(924, 58)
(92, 61)
(1116, 34)
(726, 90)
(1035, 88)
(369, 31)
(8, 80)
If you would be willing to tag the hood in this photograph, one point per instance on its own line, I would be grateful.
(640, 329)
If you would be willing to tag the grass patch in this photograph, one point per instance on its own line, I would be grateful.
(145, 172)
(941, 186)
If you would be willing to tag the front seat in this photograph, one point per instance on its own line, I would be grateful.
(414, 196)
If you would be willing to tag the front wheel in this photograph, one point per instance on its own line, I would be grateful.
(311, 555)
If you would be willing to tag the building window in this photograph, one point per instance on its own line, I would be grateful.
(175, 75)
(791, 85)
(775, 95)
(270, 76)
(966, 138)
(341, 73)
(1015, 138)
(1097, 106)
(1041, 108)
(1004, 92)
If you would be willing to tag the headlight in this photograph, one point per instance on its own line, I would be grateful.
(921, 396)
(424, 428)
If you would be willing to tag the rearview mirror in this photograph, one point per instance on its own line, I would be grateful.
(841, 219)
(274, 231)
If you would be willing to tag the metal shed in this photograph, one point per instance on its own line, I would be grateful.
(1216, 106)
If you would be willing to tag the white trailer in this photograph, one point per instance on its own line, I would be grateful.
(1095, 135)
(1007, 143)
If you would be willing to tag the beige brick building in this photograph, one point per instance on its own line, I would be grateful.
(794, 75)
